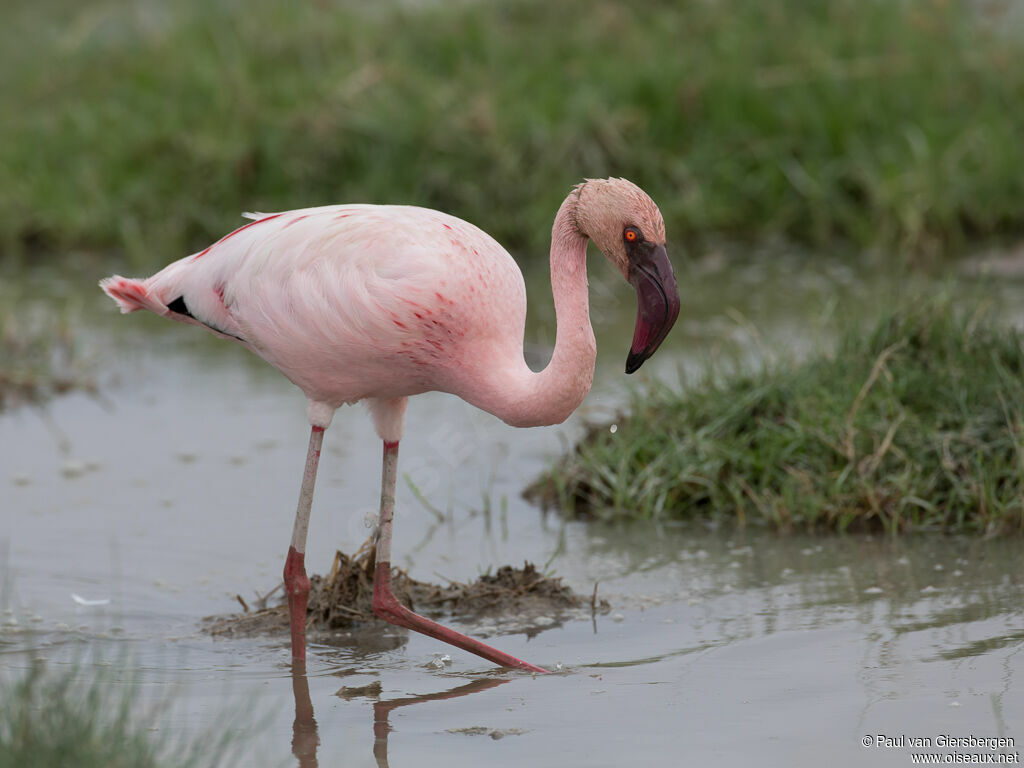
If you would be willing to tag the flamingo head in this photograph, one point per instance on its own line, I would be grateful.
(627, 227)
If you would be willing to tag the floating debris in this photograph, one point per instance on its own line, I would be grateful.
(371, 690)
(89, 603)
(72, 468)
(440, 661)
(494, 733)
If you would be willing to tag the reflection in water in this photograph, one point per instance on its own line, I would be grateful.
(382, 709)
(305, 738)
(899, 587)
(929, 609)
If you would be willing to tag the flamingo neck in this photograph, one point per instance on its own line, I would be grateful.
(550, 396)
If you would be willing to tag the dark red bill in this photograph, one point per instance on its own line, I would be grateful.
(650, 273)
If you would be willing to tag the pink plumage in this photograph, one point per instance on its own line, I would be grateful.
(378, 303)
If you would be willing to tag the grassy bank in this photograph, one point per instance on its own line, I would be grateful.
(915, 424)
(148, 126)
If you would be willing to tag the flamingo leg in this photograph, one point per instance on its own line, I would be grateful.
(386, 605)
(296, 582)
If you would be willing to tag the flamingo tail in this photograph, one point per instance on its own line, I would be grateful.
(131, 295)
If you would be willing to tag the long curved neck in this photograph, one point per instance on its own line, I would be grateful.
(550, 396)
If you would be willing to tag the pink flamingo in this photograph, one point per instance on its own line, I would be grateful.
(377, 303)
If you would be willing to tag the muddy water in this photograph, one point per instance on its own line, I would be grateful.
(174, 491)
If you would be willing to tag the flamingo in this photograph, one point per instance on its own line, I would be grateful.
(376, 303)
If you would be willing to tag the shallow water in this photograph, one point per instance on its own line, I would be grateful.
(174, 491)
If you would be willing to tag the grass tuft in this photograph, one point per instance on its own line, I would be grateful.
(915, 425)
(82, 718)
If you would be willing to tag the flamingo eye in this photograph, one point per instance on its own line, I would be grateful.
(631, 235)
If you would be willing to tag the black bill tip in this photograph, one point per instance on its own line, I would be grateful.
(657, 295)
(634, 361)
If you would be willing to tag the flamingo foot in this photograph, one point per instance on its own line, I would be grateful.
(387, 607)
(296, 586)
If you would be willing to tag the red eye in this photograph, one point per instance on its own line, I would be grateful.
(631, 235)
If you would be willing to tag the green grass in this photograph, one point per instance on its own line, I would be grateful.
(149, 127)
(77, 718)
(916, 424)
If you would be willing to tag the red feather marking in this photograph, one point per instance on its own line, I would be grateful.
(232, 234)
(130, 295)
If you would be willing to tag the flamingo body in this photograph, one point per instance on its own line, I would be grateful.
(353, 301)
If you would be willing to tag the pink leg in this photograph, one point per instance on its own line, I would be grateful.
(296, 583)
(386, 605)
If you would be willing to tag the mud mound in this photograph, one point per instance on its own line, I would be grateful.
(343, 599)
(509, 591)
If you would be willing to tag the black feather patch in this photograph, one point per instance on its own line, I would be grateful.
(178, 307)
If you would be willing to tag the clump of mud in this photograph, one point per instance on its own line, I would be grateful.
(520, 599)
